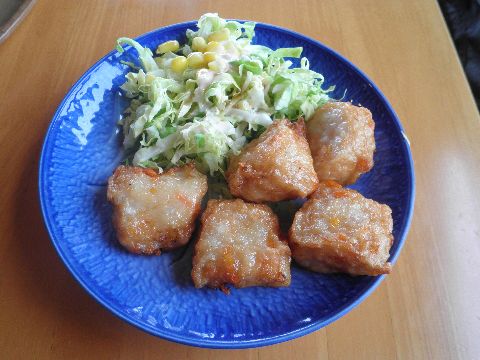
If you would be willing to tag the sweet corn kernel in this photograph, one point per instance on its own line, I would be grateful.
(209, 56)
(195, 60)
(167, 46)
(179, 64)
(199, 44)
(214, 66)
(220, 35)
(212, 46)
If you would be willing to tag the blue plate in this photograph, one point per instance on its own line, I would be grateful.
(82, 148)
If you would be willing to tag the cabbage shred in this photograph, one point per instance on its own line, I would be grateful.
(207, 114)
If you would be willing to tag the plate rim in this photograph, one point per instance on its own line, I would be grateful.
(220, 344)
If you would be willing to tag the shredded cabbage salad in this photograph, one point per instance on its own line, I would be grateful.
(205, 100)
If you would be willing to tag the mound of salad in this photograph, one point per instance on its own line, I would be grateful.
(204, 100)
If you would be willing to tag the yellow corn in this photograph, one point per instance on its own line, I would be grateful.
(212, 46)
(214, 66)
(167, 46)
(209, 56)
(199, 44)
(196, 60)
(179, 64)
(220, 35)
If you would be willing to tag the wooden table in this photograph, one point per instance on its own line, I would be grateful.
(428, 308)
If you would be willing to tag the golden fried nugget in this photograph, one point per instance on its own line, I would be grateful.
(341, 138)
(239, 244)
(338, 230)
(154, 212)
(276, 166)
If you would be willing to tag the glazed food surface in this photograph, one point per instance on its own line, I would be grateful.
(341, 139)
(154, 212)
(276, 166)
(338, 230)
(239, 244)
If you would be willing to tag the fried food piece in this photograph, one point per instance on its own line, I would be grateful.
(338, 230)
(276, 166)
(154, 212)
(341, 139)
(239, 244)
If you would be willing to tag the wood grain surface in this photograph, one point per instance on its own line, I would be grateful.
(428, 308)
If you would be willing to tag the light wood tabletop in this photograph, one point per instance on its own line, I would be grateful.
(427, 308)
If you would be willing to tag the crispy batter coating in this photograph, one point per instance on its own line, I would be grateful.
(239, 244)
(338, 230)
(154, 212)
(341, 138)
(276, 166)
